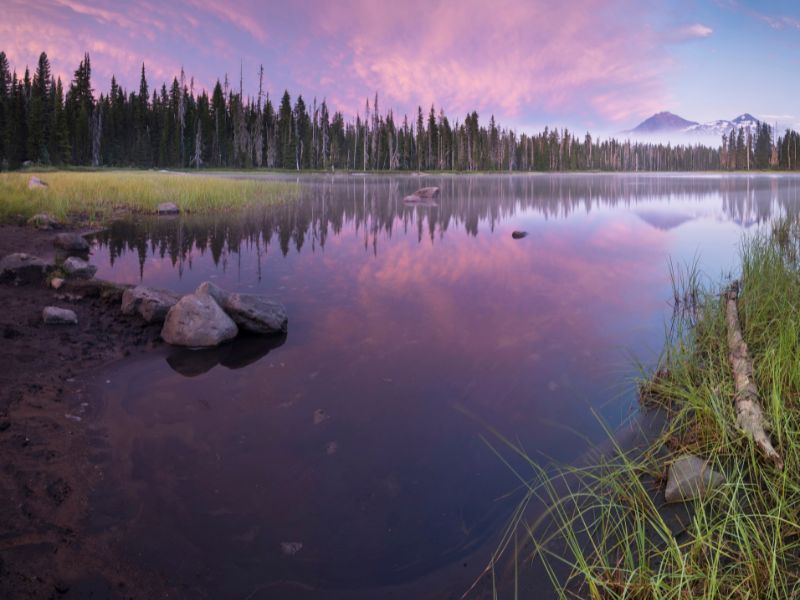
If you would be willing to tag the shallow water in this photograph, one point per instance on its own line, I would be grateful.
(351, 456)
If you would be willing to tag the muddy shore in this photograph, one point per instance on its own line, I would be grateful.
(49, 456)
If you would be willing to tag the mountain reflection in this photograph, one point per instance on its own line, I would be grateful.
(373, 207)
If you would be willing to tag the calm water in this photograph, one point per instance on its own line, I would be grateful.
(348, 457)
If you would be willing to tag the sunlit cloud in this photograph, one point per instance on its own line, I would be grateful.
(690, 32)
(781, 22)
(532, 62)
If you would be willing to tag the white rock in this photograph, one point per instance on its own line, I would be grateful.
(197, 321)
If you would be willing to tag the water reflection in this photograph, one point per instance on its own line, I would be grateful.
(413, 330)
(241, 352)
(374, 208)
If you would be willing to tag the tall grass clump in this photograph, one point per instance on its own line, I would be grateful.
(607, 532)
(93, 195)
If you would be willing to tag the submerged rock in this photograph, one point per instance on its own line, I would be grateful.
(197, 321)
(251, 312)
(23, 268)
(44, 221)
(518, 235)
(168, 208)
(35, 183)
(690, 477)
(71, 242)
(77, 267)
(52, 315)
(152, 303)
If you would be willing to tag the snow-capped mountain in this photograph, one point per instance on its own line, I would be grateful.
(666, 125)
(717, 128)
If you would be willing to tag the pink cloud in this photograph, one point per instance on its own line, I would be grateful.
(587, 60)
(504, 56)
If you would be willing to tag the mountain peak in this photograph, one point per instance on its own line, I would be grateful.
(744, 117)
(667, 124)
(662, 122)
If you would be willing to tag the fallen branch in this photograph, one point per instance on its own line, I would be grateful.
(749, 416)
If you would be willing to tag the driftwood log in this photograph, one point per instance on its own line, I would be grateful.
(749, 414)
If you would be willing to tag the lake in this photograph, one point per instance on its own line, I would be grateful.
(353, 457)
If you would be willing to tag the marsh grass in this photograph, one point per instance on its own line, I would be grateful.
(94, 195)
(608, 534)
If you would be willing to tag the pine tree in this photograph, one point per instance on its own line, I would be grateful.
(5, 109)
(286, 136)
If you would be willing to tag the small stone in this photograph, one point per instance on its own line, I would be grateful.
(44, 221)
(77, 267)
(690, 477)
(168, 208)
(518, 235)
(71, 242)
(56, 282)
(52, 315)
(35, 183)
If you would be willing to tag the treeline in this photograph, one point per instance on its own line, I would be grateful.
(43, 123)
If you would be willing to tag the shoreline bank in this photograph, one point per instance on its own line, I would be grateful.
(47, 474)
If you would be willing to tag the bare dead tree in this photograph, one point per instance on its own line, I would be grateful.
(182, 112)
(96, 122)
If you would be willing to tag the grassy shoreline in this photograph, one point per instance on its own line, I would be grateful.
(608, 532)
(94, 195)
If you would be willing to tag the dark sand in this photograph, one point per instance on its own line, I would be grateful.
(47, 472)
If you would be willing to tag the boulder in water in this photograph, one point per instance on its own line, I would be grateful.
(197, 321)
(250, 312)
(152, 303)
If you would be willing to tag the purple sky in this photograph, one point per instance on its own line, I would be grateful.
(601, 65)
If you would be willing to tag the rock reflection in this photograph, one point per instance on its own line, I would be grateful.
(242, 352)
